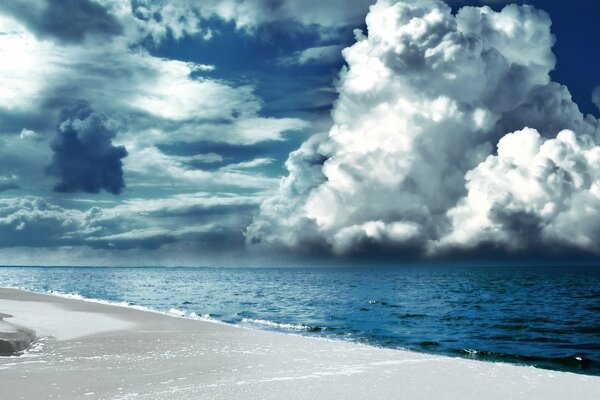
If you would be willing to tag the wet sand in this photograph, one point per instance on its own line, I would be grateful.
(87, 350)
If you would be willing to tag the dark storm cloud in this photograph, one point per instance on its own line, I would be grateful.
(84, 158)
(66, 20)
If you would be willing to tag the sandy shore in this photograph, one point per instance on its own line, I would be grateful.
(88, 350)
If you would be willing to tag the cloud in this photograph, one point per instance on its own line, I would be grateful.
(28, 134)
(70, 21)
(8, 183)
(424, 100)
(181, 18)
(330, 54)
(204, 221)
(32, 221)
(191, 99)
(281, 221)
(40, 77)
(152, 101)
(22, 163)
(185, 17)
(147, 166)
(84, 156)
(596, 97)
(307, 12)
(535, 190)
(159, 18)
(27, 63)
(244, 129)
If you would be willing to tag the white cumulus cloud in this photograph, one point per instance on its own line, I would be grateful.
(424, 100)
(535, 190)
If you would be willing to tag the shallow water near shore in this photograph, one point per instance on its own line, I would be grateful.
(548, 317)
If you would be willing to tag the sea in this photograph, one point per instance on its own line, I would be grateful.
(548, 317)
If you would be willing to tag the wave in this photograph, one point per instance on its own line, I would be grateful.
(173, 312)
(573, 362)
(281, 325)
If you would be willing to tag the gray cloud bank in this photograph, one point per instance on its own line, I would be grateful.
(201, 220)
(448, 136)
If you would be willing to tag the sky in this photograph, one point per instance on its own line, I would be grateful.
(288, 132)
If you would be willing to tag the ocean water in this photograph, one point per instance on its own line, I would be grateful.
(546, 317)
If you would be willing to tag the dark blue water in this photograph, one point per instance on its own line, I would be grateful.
(547, 317)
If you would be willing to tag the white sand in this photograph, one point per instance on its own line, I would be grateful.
(58, 322)
(109, 352)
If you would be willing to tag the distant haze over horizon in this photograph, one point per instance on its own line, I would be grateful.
(299, 133)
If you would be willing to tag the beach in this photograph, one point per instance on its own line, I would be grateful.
(90, 350)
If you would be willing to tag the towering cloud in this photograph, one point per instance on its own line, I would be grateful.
(410, 163)
(84, 157)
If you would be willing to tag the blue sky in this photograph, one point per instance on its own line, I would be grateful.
(160, 132)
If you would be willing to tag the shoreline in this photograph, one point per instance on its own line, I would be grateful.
(305, 331)
(293, 329)
(117, 352)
